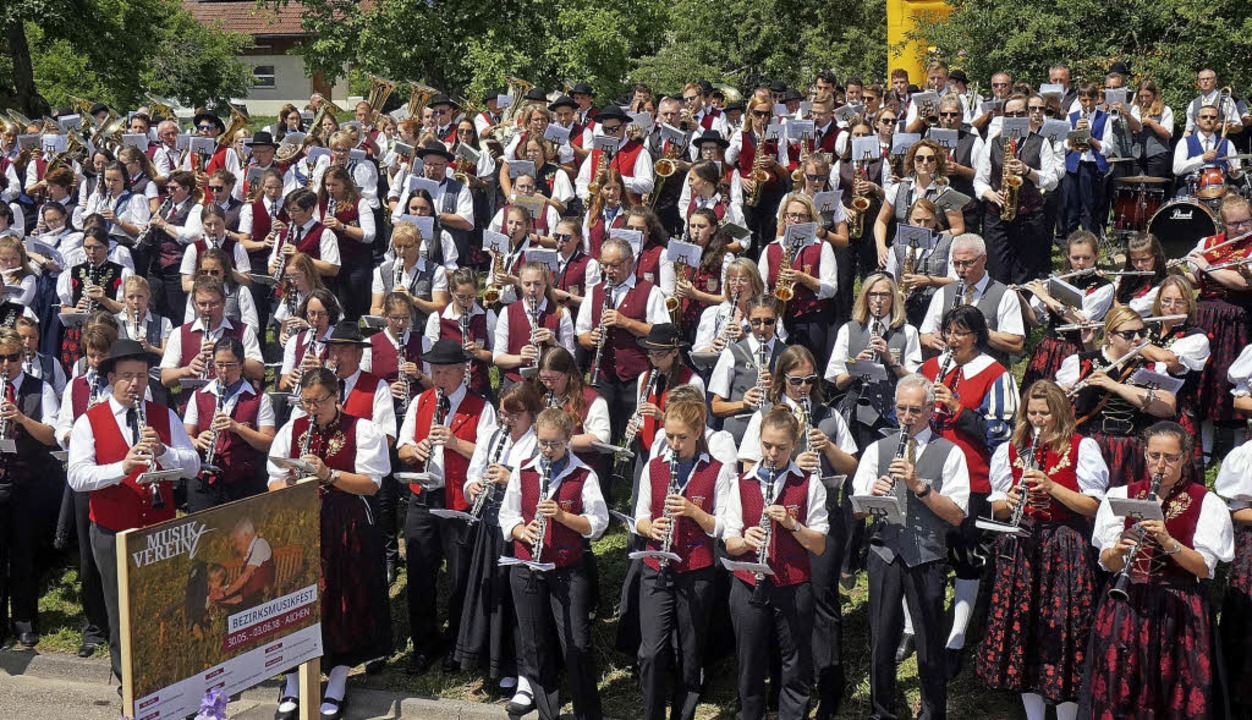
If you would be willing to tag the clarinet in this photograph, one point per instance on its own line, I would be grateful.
(498, 440)
(280, 272)
(667, 542)
(437, 419)
(1121, 587)
(397, 280)
(463, 321)
(545, 478)
(145, 238)
(141, 413)
(806, 420)
(604, 331)
(1030, 462)
(759, 598)
(209, 469)
(960, 294)
(404, 377)
(205, 319)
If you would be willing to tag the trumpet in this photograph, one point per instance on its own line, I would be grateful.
(759, 587)
(1115, 365)
(1121, 587)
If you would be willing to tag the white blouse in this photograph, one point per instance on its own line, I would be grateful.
(1214, 535)
(1093, 472)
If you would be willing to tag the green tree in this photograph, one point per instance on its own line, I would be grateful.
(1165, 40)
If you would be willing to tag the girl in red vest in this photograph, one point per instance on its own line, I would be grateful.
(306, 349)
(468, 323)
(775, 516)
(651, 256)
(551, 507)
(300, 280)
(564, 388)
(727, 321)
(348, 215)
(605, 211)
(701, 286)
(545, 219)
(811, 274)
(1151, 652)
(680, 498)
(526, 327)
(1044, 591)
(349, 459)
(742, 155)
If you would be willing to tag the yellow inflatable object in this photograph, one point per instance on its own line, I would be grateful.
(902, 16)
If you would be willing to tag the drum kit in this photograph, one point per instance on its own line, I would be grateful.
(1139, 204)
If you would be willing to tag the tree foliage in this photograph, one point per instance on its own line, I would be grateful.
(1165, 40)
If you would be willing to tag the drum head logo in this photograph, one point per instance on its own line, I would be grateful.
(1181, 214)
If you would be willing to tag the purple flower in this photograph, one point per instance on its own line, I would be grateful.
(213, 705)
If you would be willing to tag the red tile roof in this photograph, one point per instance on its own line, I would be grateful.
(245, 17)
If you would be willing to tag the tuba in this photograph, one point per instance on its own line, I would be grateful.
(238, 121)
(380, 90)
(1010, 183)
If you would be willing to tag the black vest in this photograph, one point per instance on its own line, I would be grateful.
(1029, 199)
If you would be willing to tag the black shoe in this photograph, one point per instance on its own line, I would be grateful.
(956, 657)
(847, 581)
(339, 708)
(392, 572)
(450, 665)
(906, 648)
(28, 639)
(515, 709)
(373, 667)
(417, 664)
(281, 715)
(87, 649)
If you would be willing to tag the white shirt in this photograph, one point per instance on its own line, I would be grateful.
(827, 274)
(1095, 304)
(327, 245)
(290, 361)
(838, 365)
(192, 255)
(245, 215)
(723, 486)
(49, 405)
(750, 447)
(1092, 471)
(1193, 352)
(1047, 172)
(86, 475)
(655, 312)
(724, 371)
(640, 182)
(435, 465)
(512, 454)
(594, 508)
(247, 307)
(265, 414)
(1185, 164)
(432, 331)
(65, 285)
(464, 202)
(564, 332)
(1008, 314)
(1230, 112)
(955, 469)
(383, 414)
(816, 518)
(174, 346)
(58, 380)
(364, 177)
(408, 278)
(133, 210)
(371, 453)
(1166, 121)
(192, 228)
(1234, 479)
(1214, 535)
(365, 221)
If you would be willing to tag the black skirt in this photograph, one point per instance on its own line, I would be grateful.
(485, 640)
(1039, 620)
(356, 620)
(1236, 630)
(1227, 326)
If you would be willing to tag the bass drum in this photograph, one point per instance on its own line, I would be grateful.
(1180, 225)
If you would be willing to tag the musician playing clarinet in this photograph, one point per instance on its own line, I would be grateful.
(677, 511)
(929, 477)
(1047, 479)
(109, 449)
(775, 516)
(552, 507)
(1152, 654)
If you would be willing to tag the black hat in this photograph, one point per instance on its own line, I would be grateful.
(446, 352)
(127, 350)
(1120, 67)
(346, 332)
(778, 86)
(792, 94)
(263, 139)
(664, 336)
(221, 126)
(959, 76)
(536, 94)
(563, 101)
(98, 108)
(733, 106)
(582, 88)
(705, 86)
(612, 112)
(442, 99)
(434, 147)
(711, 136)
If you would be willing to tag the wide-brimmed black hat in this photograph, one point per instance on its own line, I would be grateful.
(127, 350)
(711, 136)
(959, 76)
(733, 106)
(536, 94)
(446, 352)
(792, 94)
(442, 99)
(612, 112)
(434, 147)
(1120, 67)
(221, 126)
(582, 88)
(563, 101)
(346, 332)
(664, 336)
(706, 87)
(778, 86)
(263, 139)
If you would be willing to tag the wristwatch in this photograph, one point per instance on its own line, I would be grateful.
(1177, 549)
(923, 493)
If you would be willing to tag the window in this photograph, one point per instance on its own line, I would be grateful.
(263, 76)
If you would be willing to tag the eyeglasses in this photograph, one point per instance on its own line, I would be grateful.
(910, 410)
(1131, 334)
(758, 322)
(965, 263)
(996, 84)
(398, 318)
(316, 313)
(951, 114)
(551, 444)
(798, 380)
(1208, 117)
(11, 357)
(1015, 113)
(923, 158)
(309, 403)
(216, 188)
(761, 113)
(887, 121)
(1239, 223)
(611, 128)
(1169, 458)
(225, 365)
(798, 217)
(816, 178)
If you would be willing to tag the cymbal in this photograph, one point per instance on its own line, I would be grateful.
(1145, 179)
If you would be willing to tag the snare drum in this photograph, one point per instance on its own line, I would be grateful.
(1211, 183)
(1134, 206)
(1181, 224)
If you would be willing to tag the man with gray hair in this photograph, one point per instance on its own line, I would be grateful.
(165, 154)
(973, 286)
(258, 571)
(929, 478)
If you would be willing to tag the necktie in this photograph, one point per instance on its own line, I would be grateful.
(343, 391)
(299, 235)
(273, 210)
(8, 393)
(132, 422)
(911, 454)
(969, 294)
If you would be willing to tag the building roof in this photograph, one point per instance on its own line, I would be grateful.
(244, 16)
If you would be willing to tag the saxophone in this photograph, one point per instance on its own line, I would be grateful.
(910, 264)
(663, 169)
(785, 291)
(602, 166)
(672, 304)
(1010, 183)
(491, 295)
(806, 150)
(860, 203)
(759, 174)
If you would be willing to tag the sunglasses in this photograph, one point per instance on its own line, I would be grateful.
(923, 158)
(761, 113)
(758, 322)
(1131, 334)
(610, 128)
(887, 121)
(950, 114)
(206, 128)
(798, 380)
(562, 237)
(817, 178)
(1015, 113)
(11, 357)
(216, 188)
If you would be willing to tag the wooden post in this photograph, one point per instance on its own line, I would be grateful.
(123, 621)
(310, 689)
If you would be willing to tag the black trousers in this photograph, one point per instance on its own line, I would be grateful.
(168, 296)
(762, 220)
(922, 587)
(104, 550)
(201, 495)
(671, 655)
(558, 601)
(827, 614)
(783, 625)
(352, 288)
(429, 541)
(95, 613)
(968, 547)
(21, 523)
(1017, 252)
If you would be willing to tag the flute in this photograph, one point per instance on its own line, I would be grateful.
(1100, 323)
(1115, 365)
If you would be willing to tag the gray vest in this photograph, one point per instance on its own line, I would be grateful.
(935, 264)
(746, 372)
(922, 537)
(874, 400)
(1149, 143)
(988, 304)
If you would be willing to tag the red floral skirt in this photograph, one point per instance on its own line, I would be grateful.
(356, 619)
(1227, 326)
(1039, 620)
(1236, 629)
(1151, 655)
(1124, 455)
(1049, 354)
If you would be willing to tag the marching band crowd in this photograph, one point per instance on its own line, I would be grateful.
(773, 336)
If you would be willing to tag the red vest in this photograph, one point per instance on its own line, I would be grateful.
(192, 339)
(1182, 514)
(747, 156)
(573, 277)
(464, 425)
(970, 393)
(216, 162)
(301, 341)
(561, 546)
(1062, 469)
(623, 357)
(688, 541)
(449, 329)
(227, 246)
(597, 233)
(262, 224)
(334, 444)
(1209, 288)
(127, 505)
(704, 281)
(623, 161)
(808, 261)
(349, 250)
(710, 115)
(519, 330)
(385, 361)
(237, 459)
(647, 433)
(787, 557)
(719, 208)
(648, 267)
(360, 402)
(80, 394)
(311, 243)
